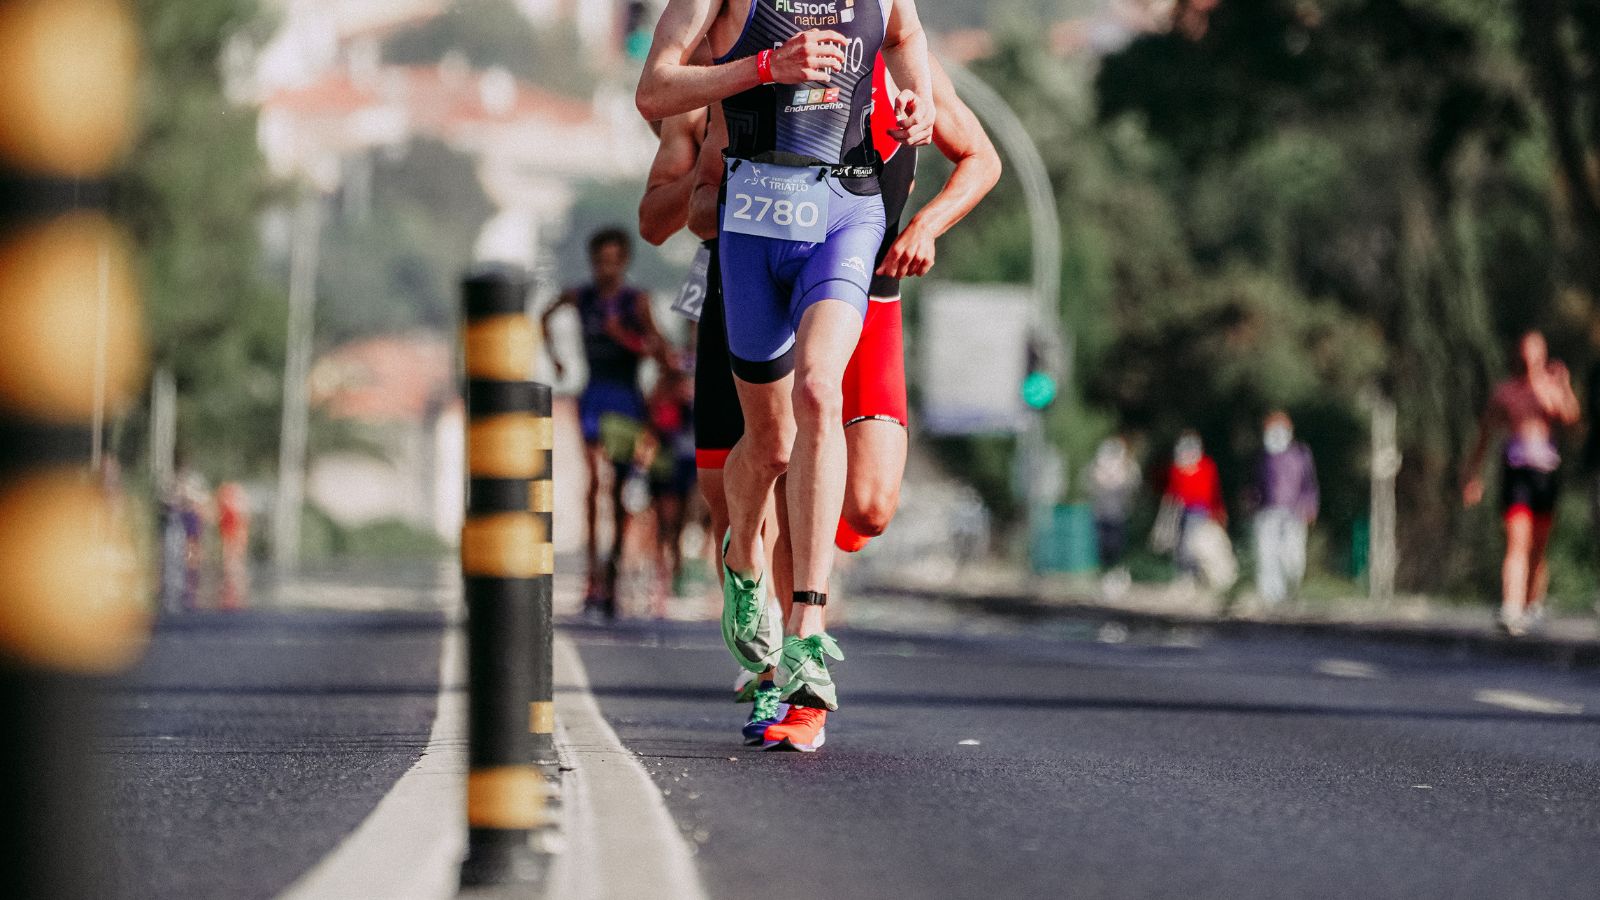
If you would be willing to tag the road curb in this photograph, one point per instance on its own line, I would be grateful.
(1564, 653)
(610, 809)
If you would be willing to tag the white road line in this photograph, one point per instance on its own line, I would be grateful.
(1348, 668)
(620, 842)
(412, 844)
(1527, 703)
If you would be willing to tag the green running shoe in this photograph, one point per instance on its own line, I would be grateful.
(804, 673)
(751, 632)
(744, 687)
(768, 710)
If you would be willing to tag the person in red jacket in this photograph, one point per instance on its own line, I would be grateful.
(1194, 489)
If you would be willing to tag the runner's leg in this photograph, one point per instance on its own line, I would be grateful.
(1515, 571)
(815, 491)
(1538, 564)
(619, 532)
(875, 417)
(783, 550)
(753, 467)
(877, 464)
(592, 458)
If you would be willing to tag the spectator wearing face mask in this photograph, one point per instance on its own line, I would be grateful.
(1193, 496)
(1285, 497)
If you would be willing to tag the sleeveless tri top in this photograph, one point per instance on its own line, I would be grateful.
(608, 358)
(826, 122)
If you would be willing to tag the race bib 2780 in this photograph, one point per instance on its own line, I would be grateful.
(789, 203)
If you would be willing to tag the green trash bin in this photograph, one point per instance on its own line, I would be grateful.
(1067, 541)
(1360, 541)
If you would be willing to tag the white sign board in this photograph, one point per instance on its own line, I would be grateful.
(974, 357)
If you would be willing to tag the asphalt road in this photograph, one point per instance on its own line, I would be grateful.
(247, 745)
(1043, 761)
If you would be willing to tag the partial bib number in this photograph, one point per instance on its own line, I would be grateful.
(692, 299)
(789, 203)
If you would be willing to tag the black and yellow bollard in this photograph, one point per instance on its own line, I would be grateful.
(71, 354)
(507, 563)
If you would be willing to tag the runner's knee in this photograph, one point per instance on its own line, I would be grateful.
(817, 400)
(768, 451)
(869, 513)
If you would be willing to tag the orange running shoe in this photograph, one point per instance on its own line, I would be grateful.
(848, 540)
(801, 729)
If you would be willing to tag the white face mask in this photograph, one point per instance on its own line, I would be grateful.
(1187, 452)
(1277, 438)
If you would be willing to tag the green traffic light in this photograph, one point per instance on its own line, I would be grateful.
(1039, 390)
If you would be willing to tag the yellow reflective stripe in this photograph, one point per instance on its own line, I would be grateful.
(508, 797)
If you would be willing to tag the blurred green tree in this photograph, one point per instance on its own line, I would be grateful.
(192, 195)
(1560, 41)
(393, 263)
(1372, 153)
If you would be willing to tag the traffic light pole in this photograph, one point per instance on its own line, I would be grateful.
(1043, 217)
(1039, 489)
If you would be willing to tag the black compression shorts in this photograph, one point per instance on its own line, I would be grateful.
(718, 420)
(1530, 489)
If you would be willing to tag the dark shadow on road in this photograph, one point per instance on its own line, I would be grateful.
(253, 620)
(279, 690)
(1100, 704)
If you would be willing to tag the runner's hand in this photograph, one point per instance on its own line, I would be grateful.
(1472, 492)
(809, 56)
(915, 120)
(911, 255)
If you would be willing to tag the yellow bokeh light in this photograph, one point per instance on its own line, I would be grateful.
(69, 580)
(72, 319)
(67, 93)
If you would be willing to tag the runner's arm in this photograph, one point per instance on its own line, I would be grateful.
(1472, 472)
(655, 343)
(673, 85)
(566, 298)
(905, 53)
(665, 206)
(708, 178)
(1563, 404)
(963, 141)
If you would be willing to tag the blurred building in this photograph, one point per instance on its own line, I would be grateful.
(328, 103)
(397, 393)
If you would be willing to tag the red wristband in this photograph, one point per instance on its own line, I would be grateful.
(764, 67)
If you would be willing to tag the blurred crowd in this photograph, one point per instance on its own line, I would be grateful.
(1524, 424)
(204, 540)
(1191, 524)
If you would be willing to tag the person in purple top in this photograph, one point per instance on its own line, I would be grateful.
(1286, 500)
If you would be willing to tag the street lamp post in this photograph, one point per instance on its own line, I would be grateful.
(1043, 217)
(303, 266)
(1038, 465)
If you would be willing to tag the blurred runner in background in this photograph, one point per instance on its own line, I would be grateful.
(1113, 487)
(672, 476)
(618, 333)
(185, 513)
(1531, 407)
(1286, 497)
